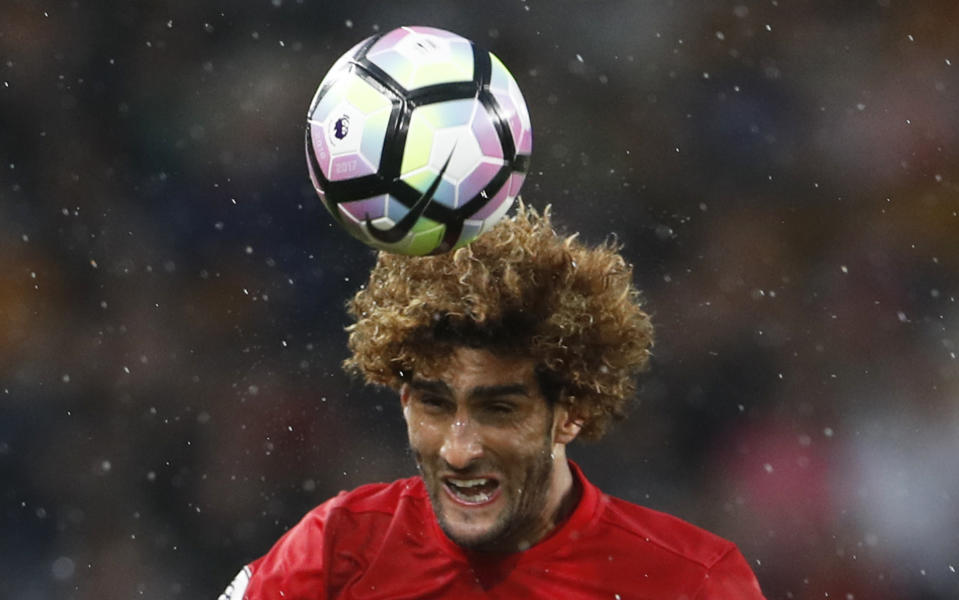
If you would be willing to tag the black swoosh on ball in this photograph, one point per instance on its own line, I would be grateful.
(402, 227)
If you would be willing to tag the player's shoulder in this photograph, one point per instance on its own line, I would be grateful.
(375, 497)
(665, 532)
(366, 507)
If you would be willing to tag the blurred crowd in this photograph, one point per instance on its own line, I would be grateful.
(781, 175)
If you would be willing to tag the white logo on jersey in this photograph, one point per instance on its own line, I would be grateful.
(237, 587)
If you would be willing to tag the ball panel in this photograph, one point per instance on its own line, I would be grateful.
(435, 32)
(339, 69)
(320, 149)
(374, 136)
(419, 143)
(366, 98)
(425, 237)
(387, 42)
(394, 65)
(416, 57)
(440, 115)
(485, 133)
(459, 146)
(471, 230)
(349, 166)
(324, 103)
(357, 211)
(395, 209)
(502, 196)
(524, 145)
(515, 183)
(498, 213)
(382, 223)
(512, 105)
(349, 126)
(438, 133)
(421, 181)
(476, 181)
(447, 131)
(458, 68)
(344, 61)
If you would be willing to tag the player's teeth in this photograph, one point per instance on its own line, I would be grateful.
(472, 495)
(476, 491)
(468, 482)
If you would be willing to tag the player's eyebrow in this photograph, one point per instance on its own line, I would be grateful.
(482, 391)
(494, 391)
(430, 385)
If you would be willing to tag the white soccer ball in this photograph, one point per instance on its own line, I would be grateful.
(418, 141)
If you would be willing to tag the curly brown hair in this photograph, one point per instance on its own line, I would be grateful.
(520, 288)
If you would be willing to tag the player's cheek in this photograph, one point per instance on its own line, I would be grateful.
(425, 437)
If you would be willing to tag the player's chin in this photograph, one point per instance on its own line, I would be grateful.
(471, 526)
(472, 535)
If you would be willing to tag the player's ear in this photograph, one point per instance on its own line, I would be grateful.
(566, 425)
(405, 396)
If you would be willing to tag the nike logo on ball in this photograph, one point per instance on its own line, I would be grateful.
(402, 227)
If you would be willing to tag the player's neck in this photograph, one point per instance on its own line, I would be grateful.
(564, 495)
(562, 499)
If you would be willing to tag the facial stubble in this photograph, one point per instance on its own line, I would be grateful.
(516, 527)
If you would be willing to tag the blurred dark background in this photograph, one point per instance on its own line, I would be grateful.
(783, 176)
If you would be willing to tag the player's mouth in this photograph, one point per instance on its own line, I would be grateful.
(472, 492)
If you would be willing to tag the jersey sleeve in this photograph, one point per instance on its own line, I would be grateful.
(294, 569)
(730, 579)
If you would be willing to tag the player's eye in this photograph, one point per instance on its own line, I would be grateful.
(434, 403)
(501, 408)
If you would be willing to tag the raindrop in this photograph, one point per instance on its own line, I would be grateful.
(63, 568)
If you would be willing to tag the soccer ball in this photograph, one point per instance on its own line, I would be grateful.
(418, 141)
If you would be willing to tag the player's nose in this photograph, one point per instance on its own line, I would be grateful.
(462, 444)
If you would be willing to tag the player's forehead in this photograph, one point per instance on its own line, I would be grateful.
(471, 368)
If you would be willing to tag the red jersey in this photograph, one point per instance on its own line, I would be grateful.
(382, 541)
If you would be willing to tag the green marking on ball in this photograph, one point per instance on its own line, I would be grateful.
(426, 235)
(365, 97)
(419, 142)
